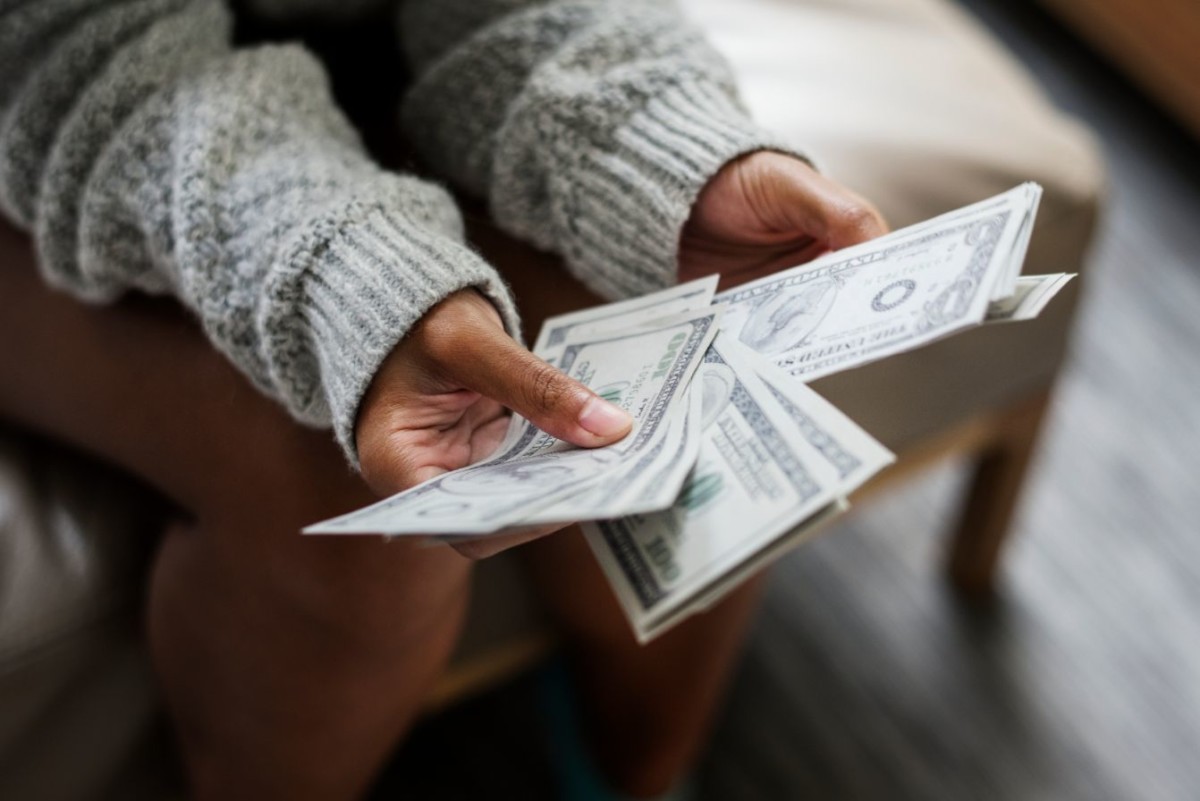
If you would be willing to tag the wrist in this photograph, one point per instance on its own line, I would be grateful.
(366, 287)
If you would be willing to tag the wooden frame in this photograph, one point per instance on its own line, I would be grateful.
(1152, 41)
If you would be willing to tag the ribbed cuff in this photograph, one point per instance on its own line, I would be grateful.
(376, 278)
(632, 200)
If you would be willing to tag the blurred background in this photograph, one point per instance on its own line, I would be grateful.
(865, 676)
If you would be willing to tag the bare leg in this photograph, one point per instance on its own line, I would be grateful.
(292, 665)
(648, 709)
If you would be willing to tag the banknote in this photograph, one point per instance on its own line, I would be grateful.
(611, 317)
(646, 371)
(1026, 199)
(662, 488)
(653, 483)
(615, 495)
(884, 296)
(670, 458)
(1031, 294)
(1020, 202)
(759, 474)
(647, 627)
(732, 459)
(623, 315)
(850, 450)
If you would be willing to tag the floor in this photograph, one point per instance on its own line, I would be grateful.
(865, 679)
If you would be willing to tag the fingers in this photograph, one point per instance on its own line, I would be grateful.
(552, 401)
(477, 354)
(818, 205)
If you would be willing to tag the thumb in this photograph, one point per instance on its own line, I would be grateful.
(819, 206)
(497, 367)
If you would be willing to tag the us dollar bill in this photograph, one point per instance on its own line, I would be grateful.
(849, 450)
(1021, 202)
(887, 295)
(623, 315)
(649, 628)
(1030, 296)
(652, 483)
(724, 473)
(657, 481)
(1025, 199)
(762, 470)
(646, 371)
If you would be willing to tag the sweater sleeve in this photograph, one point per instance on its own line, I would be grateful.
(144, 152)
(589, 126)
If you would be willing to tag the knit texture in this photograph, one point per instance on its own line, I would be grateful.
(145, 152)
(590, 126)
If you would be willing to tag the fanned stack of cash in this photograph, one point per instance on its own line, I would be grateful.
(732, 458)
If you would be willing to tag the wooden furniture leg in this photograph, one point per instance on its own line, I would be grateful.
(992, 497)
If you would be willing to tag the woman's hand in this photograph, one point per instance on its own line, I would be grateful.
(439, 400)
(767, 211)
(438, 403)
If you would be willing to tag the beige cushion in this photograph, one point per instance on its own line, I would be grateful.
(904, 100)
(915, 106)
(910, 102)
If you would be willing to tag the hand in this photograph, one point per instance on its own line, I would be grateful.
(767, 211)
(439, 403)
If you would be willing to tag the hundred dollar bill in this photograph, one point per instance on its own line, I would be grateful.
(758, 476)
(1031, 294)
(853, 454)
(649, 627)
(661, 489)
(885, 296)
(646, 372)
(851, 451)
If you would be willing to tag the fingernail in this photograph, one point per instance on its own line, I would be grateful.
(603, 418)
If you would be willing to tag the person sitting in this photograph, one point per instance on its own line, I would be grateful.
(149, 156)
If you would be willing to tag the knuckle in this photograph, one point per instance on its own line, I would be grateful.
(448, 330)
(441, 337)
(547, 387)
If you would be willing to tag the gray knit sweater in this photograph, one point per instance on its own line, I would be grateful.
(144, 152)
